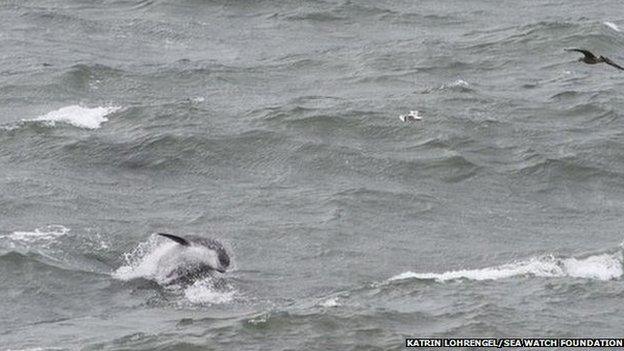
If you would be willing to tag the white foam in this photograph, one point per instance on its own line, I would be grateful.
(204, 292)
(259, 319)
(612, 26)
(458, 83)
(79, 116)
(145, 262)
(45, 234)
(600, 267)
(331, 302)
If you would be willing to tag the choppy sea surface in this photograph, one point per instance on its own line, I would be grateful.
(273, 126)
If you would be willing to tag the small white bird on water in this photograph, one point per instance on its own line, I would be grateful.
(410, 117)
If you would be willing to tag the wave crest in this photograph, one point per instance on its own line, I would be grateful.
(600, 267)
(40, 235)
(78, 116)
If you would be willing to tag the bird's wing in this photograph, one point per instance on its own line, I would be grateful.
(611, 63)
(587, 53)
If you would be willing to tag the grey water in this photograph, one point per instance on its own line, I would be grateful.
(273, 126)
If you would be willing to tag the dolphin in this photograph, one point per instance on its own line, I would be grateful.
(197, 256)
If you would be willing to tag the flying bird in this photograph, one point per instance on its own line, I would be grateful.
(591, 59)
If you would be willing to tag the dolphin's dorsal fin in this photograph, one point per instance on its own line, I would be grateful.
(176, 238)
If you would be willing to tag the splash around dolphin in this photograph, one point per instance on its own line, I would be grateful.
(177, 260)
(197, 255)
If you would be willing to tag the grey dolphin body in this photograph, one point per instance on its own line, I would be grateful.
(204, 256)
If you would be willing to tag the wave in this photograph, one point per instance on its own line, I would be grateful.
(39, 235)
(46, 264)
(448, 166)
(599, 267)
(82, 117)
(321, 16)
(76, 115)
(53, 246)
(247, 151)
(537, 33)
(346, 10)
(612, 26)
(570, 168)
(459, 85)
(364, 199)
(350, 11)
(330, 302)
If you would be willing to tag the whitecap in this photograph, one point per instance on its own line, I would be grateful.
(79, 116)
(612, 26)
(43, 234)
(458, 83)
(331, 302)
(599, 267)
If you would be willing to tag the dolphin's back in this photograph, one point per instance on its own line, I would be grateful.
(212, 244)
(224, 258)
